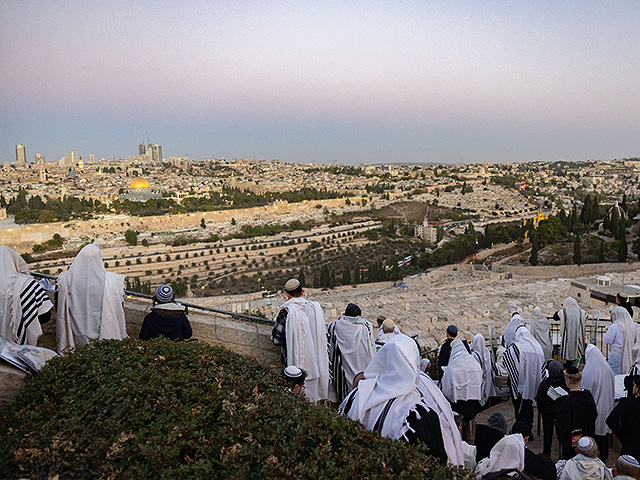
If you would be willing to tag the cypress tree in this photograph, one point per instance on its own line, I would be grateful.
(533, 258)
(577, 250)
(622, 249)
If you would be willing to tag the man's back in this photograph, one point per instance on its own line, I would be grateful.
(576, 417)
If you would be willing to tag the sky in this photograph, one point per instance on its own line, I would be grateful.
(332, 81)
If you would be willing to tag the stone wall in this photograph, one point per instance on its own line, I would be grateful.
(565, 271)
(246, 338)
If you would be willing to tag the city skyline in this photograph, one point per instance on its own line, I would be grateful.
(373, 83)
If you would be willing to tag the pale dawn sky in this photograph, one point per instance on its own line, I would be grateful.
(352, 82)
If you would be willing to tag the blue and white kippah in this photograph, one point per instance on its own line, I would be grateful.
(164, 293)
(630, 460)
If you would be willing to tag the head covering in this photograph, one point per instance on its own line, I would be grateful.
(498, 422)
(352, 310)
(392, 375)
(462, 378)
(524, 361)
(388, 324)
(510, 332)
(630, 460)
(452, 330)
(11, 264)
(507, 453)
(598, 378)
(540, 466)
(482, 355)
(539, 327)
(291, 285)
(620, 316)
(164, 293)
(587, 446)
(521, 427)
(292, 372)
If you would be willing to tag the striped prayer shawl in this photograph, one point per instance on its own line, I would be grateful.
(511, 362)
(337, 376)
(32, 297)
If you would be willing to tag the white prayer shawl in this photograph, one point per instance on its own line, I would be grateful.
(483, 357)
(396, 330)
(451, 438)
(352, 337)
(614, 337)
(539, 327)
(509, 335)
(88, 299)
(15, 282)
(524, 361)
(392, 374)
(598, 378)
(582, 467)
(572, 321)
(629, 329)
(307, 345)
(462, 378)
(507, 453)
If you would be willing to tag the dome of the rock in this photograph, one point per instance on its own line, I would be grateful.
(139, 182)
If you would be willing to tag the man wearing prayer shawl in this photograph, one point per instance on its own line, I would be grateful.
(23, 302)
(350, 350)
(481, 353)
(549, 401)
(622, 336)
(585, 465)
(538, 325)
(598, 378)
(509, 335)
(624, 421)
(462, 385)
(524, 361)
(90, 301)
(572, 320)
(300, 330)
(507, 454)
(487, 435)
(388, 400)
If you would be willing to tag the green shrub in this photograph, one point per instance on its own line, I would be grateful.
(161, 409)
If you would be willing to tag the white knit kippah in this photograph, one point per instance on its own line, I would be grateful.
(291, 284)
(292, 371)
(630, 460)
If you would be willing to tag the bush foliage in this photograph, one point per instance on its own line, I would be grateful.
(158, 409)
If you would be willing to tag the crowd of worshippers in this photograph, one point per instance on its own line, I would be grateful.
(89, 304)
(377, 377)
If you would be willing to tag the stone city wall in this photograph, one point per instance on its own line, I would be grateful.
(23, 238)
(565, 271)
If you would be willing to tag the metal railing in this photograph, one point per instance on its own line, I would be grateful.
(130, 293)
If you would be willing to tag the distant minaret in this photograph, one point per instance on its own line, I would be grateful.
(21, 156)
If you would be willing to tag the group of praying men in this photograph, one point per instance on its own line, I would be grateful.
(390, 391)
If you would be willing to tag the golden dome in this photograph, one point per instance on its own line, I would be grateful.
(139, 182)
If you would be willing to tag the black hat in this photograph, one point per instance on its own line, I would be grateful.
(540, 466)
(353, 310)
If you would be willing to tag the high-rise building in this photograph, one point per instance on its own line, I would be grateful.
(92, 158)
(39, 159)
(42, 172)
(63, 162)
(73, 158)
(141, 150)
(156, 153)
(21, 156)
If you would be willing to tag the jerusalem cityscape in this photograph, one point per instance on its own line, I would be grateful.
(400, 190)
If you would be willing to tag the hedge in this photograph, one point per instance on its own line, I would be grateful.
(159, 409)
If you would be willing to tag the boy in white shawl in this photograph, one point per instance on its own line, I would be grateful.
(300, 330)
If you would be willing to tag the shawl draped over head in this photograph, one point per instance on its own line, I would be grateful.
(582, 467)
(556, 374)
(572, 319)
(89, 301)
(462, 378)
(22, 299)
(510, 332)
(629, 329)
(598, 378)
(507, 453)
(524, 361)
(351, 349)
(539, 327)
(393, 374)
(481, 353)
(307, 345)
(436, 401)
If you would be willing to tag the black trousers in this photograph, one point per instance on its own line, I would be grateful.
(603, 446)
(524, 411)
(547, 433)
